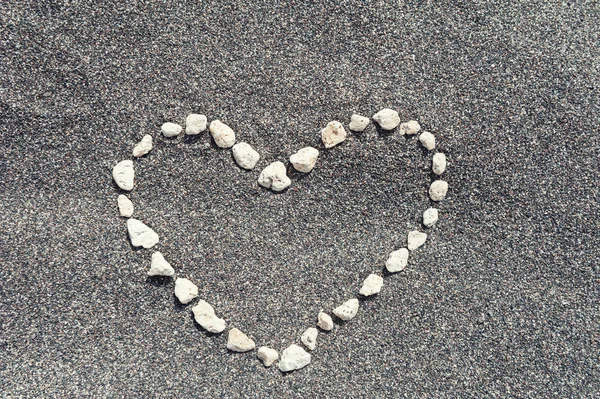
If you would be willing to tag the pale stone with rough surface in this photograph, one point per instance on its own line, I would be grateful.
(143, 147)
(305, 159)
(159, 266)
(430, 217)
(294, 357)
(397, 260)
(237, 341)
(204, 314)
(387, 119)
(438, 190)
(416, 239)
(140, 234)
(245, 156)
(267, 355)
(195, 124)
(358, 123)
(333, 134)
(274, 177)
(427, 140)
(170, 129)
(324, 321)
(439, 163)
(347, 310)
(410, 127)
(223, 135)
(125, 206)
(123, 174)
(309, 338)
(372, 285)
(185, 290)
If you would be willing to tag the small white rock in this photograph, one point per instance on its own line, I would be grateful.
(140, 234)
(427, 140)
(333, 134)
(237, 341)
(185, 290)
(347, 310)
(309, 338)
(123, 174)
(267, 355)
(305, 159)
(358, 123)
(324, 321)
(372, 285)
(223, 135)
(274, 177)
(416, 239)
(170, 129)
(294, 357)
(143, 147)
(387, 119)
(245, 156)
(438, 190)
(410, 127)
(397, 260)
(195, 124)
(125, 206)
(430, 217)
(204, 314)
(439, 163)
(159, 266)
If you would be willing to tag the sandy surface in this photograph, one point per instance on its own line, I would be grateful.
(502, 301)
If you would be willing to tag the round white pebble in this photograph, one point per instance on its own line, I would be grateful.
(427, 140)
(125, 206)
(333, 134)
(143, 147)
(185, 290)
(237, 341)
(358, 123)
(416, 239)
(324, 321)
(347, 310)
(372, 285)
(430, 217)
(170, 129)
(410, 127)
(438, 190)
(305, 159)
(245, 156)
(204, 314)
(195, 124)
(439, 163)
(223, 135)
(124, 174)
(294, 357)
(397, 260)
(274, 177)
(387, 119)
(309, 338)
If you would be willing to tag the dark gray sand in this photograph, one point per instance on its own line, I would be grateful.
(502, 301)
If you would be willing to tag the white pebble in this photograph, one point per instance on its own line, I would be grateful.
(245, 156)
(309, 338)
(125, 206)
(143, 147)
(347, 310)
(267, 355)
(140, 234)
(439, 163)
(123, 174)
(170, 129)
(294, 357)
(358, 123)
(223, 135)
(333, 134)
(159, 266)
(387, 119)
(324, 321)
(410, 127)
(185, 290)
(204, 314)
(397, 260)
(416, 239)
(427, 140)
(305, 159)
(430, 216)
(274, 177)
(237, 341)
(438, 190)
(372, 285)
(195, 124)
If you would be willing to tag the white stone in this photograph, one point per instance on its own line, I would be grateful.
(347, 310)
(274, 177)
(140, 234)
(427, 140)
(430, 216)
(333, 134)
(372, 285)
(324, 321)
(223, 135)
(237, 341)
(438, 190)
(160, 267)
(416, 239)
(439, 163)
(305, 159)
(204, 314)
(267, 355)
(397, 260)
(358, 123)
(143, 147)
(170, 129)
(387, 119)
(245, 156)
(309, 338)
(195, 124)
(293, 358)
(123, 174)
(185, 290)
(410, 127)
(125, 206)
